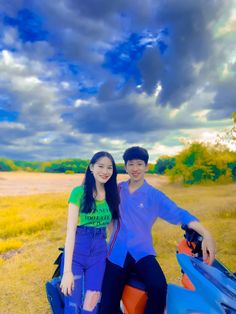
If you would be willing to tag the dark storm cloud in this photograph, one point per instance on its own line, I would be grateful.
(190, 42)
(84, 31)
(225, 100)
(124, 116)
(76, 32)
(112, 117)
(151, 68)
(138, 11)
(104, 93)
(11, 132)
(17, 154)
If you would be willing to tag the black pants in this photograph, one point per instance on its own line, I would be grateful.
(149, 272)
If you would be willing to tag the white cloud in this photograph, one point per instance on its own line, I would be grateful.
(9, 63)
(80, 102)
(37, 100)
(174, 112)
(65, 85)
(12, 126)
(210, 135)
(201, 115)
(163, 150)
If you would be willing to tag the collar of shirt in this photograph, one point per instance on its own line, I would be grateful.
(142, 189)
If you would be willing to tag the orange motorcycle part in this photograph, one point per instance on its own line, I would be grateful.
(186, 247)
(134, 300)
(187, 283)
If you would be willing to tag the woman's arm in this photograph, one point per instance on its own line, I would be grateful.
(67, 282)
(208, 243)
(110, 227)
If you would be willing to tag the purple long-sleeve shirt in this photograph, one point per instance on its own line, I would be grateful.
(139, 210)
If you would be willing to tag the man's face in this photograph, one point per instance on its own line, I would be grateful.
(136, 169)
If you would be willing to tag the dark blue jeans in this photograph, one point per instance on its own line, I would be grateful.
(149, 272)
(88, 266)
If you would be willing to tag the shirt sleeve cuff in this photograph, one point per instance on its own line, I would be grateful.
(189, 219)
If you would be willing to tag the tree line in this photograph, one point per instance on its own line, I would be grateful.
(196, 163)
(75, 165)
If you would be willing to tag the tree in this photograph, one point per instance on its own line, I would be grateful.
(228, 137)
(164, 163)
(199, 163)
(7, 165)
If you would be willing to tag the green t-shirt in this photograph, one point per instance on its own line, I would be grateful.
(100, 218)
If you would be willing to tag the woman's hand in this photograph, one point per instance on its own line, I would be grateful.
(67, 283)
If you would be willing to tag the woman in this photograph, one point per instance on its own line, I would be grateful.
(96, 204)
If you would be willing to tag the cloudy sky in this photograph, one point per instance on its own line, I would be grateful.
(81, 76)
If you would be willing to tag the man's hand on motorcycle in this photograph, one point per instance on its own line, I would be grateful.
(208, 249)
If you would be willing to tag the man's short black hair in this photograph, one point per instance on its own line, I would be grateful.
(136, 152)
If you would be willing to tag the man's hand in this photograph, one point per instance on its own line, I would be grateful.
(208, 248)
(208, 243)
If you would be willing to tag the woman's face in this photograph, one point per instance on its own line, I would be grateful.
(102, 170)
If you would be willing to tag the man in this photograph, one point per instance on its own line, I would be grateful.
(131, 245)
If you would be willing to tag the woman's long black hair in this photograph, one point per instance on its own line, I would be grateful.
(111, 189)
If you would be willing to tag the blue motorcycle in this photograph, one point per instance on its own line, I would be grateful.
(206, 289)
(214, 289)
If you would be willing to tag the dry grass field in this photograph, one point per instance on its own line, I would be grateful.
(33, 210)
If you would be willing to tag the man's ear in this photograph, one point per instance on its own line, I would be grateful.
(146, 168)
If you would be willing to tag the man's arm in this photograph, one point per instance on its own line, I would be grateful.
(170, 212)
(208, 243)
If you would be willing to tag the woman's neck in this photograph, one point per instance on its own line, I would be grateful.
(100, 191)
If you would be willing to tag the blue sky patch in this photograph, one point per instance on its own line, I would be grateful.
(29, 25)
(124, 57)
(8, 116)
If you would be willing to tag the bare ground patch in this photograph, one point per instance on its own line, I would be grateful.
(26, 183)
